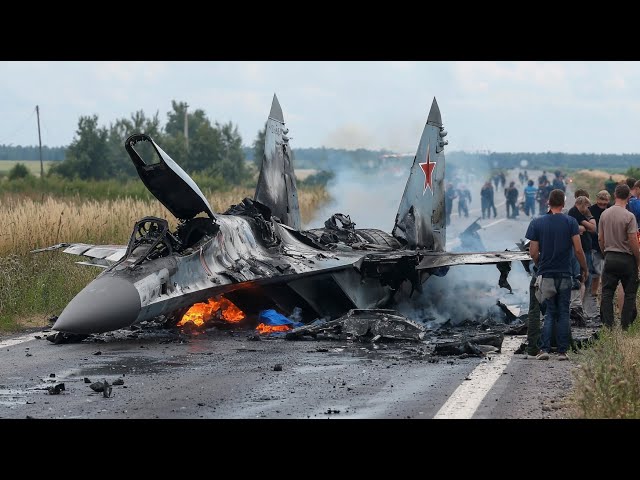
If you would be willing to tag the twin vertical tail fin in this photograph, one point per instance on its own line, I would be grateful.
(277, 182)
(420, 221)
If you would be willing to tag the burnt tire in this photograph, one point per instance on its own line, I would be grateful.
(379, 237)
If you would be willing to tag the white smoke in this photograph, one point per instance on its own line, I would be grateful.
(467, 292)
(371, 198)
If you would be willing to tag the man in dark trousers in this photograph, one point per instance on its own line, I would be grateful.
(464, 199)
(511, 194)
(591, 304)
(586, 226)
(544, 189)
(618, 239)
(552, 239)
(486, 200)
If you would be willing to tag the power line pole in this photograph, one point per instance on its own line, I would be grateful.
(40, 142)
(186, 126)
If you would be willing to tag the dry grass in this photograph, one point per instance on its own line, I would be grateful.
(304, 173)
(593, 181)
(30, 224)
(601, 174)
(311, 199)
(33, 321)
(33, 287)
(608, 382)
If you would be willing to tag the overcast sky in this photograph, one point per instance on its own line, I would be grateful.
(498, 106)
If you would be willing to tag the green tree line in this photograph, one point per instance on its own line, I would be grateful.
(549, 160)
(97, 152)
(18, 152)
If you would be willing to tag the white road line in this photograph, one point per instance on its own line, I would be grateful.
(466, 399)
(494, 223)
(17, 340)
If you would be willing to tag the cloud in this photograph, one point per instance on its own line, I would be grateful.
(501, 106)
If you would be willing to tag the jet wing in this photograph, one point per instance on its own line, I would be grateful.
(445, 259)
(100, 255)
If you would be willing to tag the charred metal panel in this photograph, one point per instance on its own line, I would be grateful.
(277, 182)
(470, 345)
(78, 248)
(103, 251)
(369, 324)
(167, 181)
(392, 269)
(363, 292)
(97, 262)
(101, 255)
(323, 294)
(420, 221)
(436, 259)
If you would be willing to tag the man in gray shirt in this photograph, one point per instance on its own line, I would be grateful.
(618, 240)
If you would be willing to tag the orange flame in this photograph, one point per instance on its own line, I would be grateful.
(201, 313)
(264, 329)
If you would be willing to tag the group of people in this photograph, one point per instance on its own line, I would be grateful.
(463, 195)
(531, 194)
(511, 195)
(591, 246)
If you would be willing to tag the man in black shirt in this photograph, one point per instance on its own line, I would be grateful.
(591, 304)
(511, 194)
(586, 225)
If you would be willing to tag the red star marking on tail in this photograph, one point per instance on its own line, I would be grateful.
(427, 167)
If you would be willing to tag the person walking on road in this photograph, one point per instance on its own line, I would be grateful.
(464, 199)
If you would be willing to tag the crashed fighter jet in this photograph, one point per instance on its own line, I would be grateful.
(256, 254)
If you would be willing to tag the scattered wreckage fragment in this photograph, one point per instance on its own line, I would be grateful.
(475, 345)
(363, 325)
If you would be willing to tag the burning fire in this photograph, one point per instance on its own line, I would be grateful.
(264, 329)
(200, 313)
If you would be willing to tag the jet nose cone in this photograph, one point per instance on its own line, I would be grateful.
(107, 303)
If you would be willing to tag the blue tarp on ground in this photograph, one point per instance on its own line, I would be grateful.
(272, 318)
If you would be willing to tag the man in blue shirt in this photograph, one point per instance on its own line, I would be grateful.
(558, 182)
(634, 202)
(530, 193)
(552, 239)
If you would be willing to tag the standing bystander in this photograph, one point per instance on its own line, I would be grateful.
(530, 193)
(552, 239)
(618, 240)
(591, 302)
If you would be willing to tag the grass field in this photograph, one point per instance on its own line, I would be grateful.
(32, 165)
(593, 181)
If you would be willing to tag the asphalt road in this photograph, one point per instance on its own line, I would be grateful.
(223, 374)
